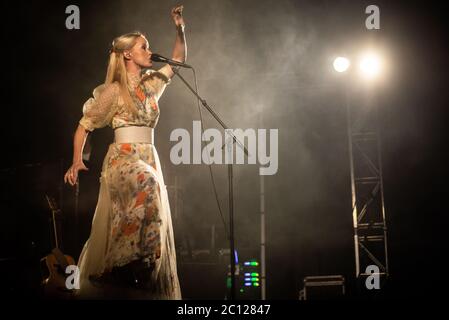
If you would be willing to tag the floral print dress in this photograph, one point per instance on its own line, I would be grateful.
(132, 220)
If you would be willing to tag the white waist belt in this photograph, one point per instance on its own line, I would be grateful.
(134, 134)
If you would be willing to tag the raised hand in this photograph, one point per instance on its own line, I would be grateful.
(176, 14)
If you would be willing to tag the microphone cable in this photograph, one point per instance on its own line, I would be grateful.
(209, 162)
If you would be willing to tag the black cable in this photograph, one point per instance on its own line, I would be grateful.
(209, 163)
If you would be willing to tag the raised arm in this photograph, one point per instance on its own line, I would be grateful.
(180, 47)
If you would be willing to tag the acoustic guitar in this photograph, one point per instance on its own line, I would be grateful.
(53, 265)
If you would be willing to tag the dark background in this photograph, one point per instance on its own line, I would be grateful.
(260, 64)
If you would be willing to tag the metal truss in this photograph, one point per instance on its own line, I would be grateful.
(368, 209)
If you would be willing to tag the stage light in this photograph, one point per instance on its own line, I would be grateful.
(341, 64)
(370, 65)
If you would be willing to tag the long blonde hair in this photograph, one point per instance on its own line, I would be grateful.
(117, 69)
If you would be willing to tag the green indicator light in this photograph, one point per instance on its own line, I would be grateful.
(228, 282)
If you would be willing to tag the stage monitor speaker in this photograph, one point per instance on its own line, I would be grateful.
(323, 288)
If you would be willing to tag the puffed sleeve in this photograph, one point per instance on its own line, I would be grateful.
(155, 82)
(99, 109)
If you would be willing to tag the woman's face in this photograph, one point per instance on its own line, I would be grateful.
(140, 53)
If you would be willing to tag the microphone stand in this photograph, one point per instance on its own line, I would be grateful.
(230, 179)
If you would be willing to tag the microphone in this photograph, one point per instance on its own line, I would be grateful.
(158, 58)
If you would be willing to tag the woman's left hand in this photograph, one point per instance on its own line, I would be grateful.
(176, 14)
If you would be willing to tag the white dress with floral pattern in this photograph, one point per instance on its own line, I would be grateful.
(132, 219)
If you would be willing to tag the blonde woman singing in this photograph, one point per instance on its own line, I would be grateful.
(130, 252)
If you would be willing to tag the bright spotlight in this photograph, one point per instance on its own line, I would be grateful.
(370, 65)
(341, 64)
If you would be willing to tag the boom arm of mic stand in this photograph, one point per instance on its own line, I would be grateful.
(204, 103)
